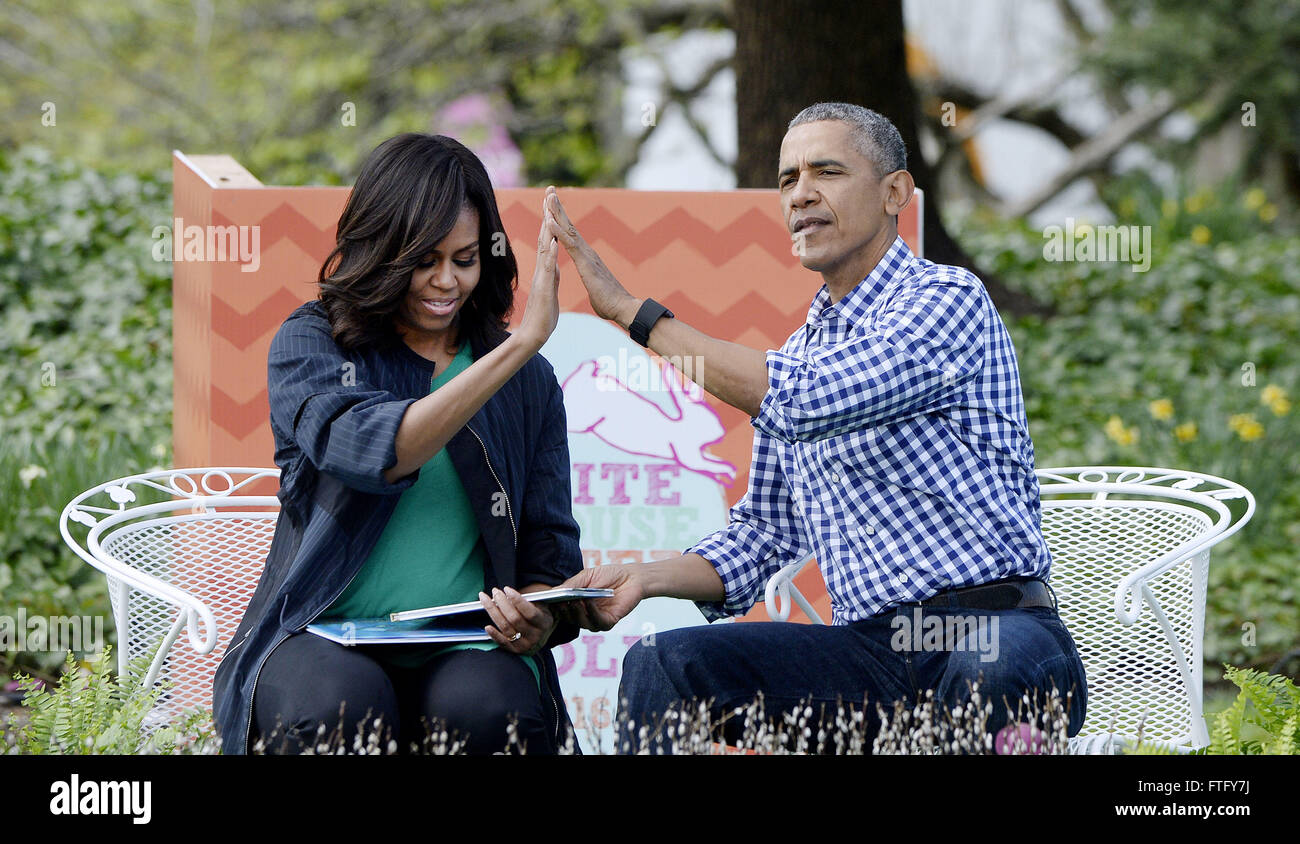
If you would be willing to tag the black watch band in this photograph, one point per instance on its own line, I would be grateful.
(646, 317)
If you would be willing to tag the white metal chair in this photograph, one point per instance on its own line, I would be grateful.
(1122, 537)
(182, 550)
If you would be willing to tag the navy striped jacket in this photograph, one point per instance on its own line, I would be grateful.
(334, 415)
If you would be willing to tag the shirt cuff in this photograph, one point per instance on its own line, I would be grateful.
(390, 455)
(741, 578)
(360, 445)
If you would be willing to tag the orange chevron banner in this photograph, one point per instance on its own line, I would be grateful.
(246, 254)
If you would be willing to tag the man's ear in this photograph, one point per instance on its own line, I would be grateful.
(899, 187)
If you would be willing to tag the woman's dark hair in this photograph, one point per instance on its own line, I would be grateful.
(406, 199)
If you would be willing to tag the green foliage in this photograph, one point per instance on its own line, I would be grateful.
(1263, 720)
(85, 310)
(1205, 340)
(562, 148)
(1241, 53)
(94, 712)
(85, 319)
(270, 82)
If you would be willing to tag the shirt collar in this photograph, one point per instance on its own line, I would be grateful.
(853, 307)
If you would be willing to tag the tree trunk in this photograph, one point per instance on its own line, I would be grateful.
(791, 54)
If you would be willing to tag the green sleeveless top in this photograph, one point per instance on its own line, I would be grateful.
(430, 553)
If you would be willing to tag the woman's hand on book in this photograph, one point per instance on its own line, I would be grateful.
(521, 626)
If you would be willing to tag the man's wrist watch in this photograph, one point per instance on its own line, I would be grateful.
(646, 317)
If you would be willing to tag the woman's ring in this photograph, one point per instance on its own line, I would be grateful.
(516, 637)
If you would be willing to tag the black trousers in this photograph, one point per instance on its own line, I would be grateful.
(469, 693)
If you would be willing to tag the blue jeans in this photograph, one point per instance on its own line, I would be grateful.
(894, 656)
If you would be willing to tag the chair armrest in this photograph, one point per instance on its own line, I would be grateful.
(781, 591)
(1128, 603)
(1189, 488)
(197, 611)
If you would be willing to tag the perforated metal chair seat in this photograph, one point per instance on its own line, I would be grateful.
(1123, 539)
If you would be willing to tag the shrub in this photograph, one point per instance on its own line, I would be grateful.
(1264, 719)
(92, 711)
(85, 319)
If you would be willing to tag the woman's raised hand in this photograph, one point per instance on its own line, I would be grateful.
(542, 313)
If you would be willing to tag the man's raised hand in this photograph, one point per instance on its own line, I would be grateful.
(608, 298)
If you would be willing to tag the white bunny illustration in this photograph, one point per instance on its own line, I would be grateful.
(605, 406)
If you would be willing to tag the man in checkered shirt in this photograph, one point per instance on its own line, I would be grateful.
(890, 441)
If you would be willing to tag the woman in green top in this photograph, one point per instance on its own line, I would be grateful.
(413, 302)
(412, 567)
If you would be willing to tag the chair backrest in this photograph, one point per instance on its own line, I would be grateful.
(182, 550)
(1130, 555)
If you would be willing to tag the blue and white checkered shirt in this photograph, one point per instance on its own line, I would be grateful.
(892, 443)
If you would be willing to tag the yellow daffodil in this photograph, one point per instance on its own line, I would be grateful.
(1255, 197)
(1195, 202)
(1117, 431)
(1246, 426)
(1185, 432)
(1276, 399)
(1114, 427)
(1200, 234)
(1161, 409)
(1268, 213)
(1251, 431)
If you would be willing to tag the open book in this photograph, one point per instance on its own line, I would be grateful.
(445, 624)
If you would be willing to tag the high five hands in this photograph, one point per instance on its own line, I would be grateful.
(608, 298)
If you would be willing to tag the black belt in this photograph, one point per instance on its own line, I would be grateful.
(1009, 594)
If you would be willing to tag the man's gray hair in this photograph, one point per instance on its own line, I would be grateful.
(873, 134)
